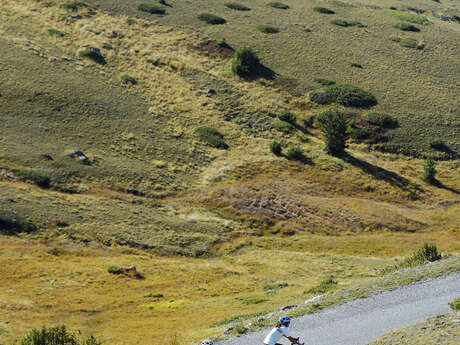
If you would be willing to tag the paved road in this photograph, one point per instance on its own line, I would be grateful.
(363, 320)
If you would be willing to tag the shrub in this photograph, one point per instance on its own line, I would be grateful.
(324, 82)
(278, 5)
(287, 116)
(236, 6)
(408, 17)
(345, 23)
(268, 29)
(357, 132)
(245, 63)
(406, 27)
(427, 253)
(334, 127)
(380, 119)
(74, 5)
(127, 79)
(252, 299)
(323, 10)
(154, 295)
(325, 286)
(283, 126)
(212, 137)
(429, 171)
(295, 153)
(93, 54)
(410, 43)
(11, 223)
(455, 304)
(55, 336)
(114, 270)
(34, 176)
(223, 43)
(356, 64)
(275, 148)
(351, 96)
(131, 21)
(321, 97)
(437, 144)
(211, 19)
(150, 8)
(394, 38)
(55, 32)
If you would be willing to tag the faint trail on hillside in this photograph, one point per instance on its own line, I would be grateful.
(361, 321)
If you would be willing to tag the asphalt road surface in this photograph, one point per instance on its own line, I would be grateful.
(361, 321)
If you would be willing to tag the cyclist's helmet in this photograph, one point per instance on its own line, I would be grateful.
(206, 342)
(284, 320)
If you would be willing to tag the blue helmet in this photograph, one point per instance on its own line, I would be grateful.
(285, 320)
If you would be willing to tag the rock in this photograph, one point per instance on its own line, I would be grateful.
(46, 129)
(287, 307)
(52, 281)
(313, 299)
(210, 91)
(80, 155)
(228, 331)
(75, 16)
(47, 156)
(392, 8)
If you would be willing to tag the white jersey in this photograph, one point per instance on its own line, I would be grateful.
(275, 335)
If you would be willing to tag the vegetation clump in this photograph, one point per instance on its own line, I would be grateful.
(11, 223)
(406, 27)
(410, 43)
(346, 23)
(275, 148)
(55, 336)
(380, 119)
(223, 43)
(283, 126)
(127, 79)
(295, 153)
(150, 8)
(334, 127)
(92, 54)
(323, 10)
(74, 5)
(211, 19)
(351, 96)
(212, 137)
(55, 32)
(437, 144)
(321, 97)
(427, 253)
(408, 17)
(268, 29)
(356, 64)
(114, 270)
(237, 6)
(429, 171)
(324, 82)
(287, 116)
(455, 304)
(35, 176)
(325, 286)
(278, 5)
(246, 63)
(357, 132)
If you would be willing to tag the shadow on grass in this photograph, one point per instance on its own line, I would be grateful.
(381, 174)
(439, 184)
(262, 72)
(301, 158)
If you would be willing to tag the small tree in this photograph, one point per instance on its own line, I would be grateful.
(275, 148)
(429, 171)
(334, 127)
(245, 63)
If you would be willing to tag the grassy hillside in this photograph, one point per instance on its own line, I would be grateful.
(107, 160)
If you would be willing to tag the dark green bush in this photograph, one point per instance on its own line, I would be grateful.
(278, 5)
(268, 29)
(351, 96)
(325, 286)
(74, 5)
(275, 148)
(127, 79)
(345, 23)
(55, 336)
(11, 223)
(409, 43)
(93, 54)
(295, 153)
(246, 63)
(438, 144)
(427, 253)
(34, 176)
(211, 19)
(356, 64)
(212, 137)
(236, 6)
(455, 304)
(287, 116)
(55, 32)
(283, 126)
(380, 119)
(334, 127)
(150, 8)
(429, 171)
(357, 132)
(406, 26)
(321, 97)
(114, 270)
(323, 10)
(324, 82)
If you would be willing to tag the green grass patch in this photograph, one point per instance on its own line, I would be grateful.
(380, 119)
(212, 137)
(127, 79)
(325, 286)
(114, 270)
(323, 10)
(408, 17)
(324, 82)
(455, 304)
(56, 336)
(55, 32)
(150, 8)
(351, 96)
(131, 21)
(347, 23)
(35, 176)
(279, 5)
(211, 19)
(267, 29)
(283, 126)
(252, 299)
(275, 286)
(405, 27)
(410, 43)
(237, 6)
